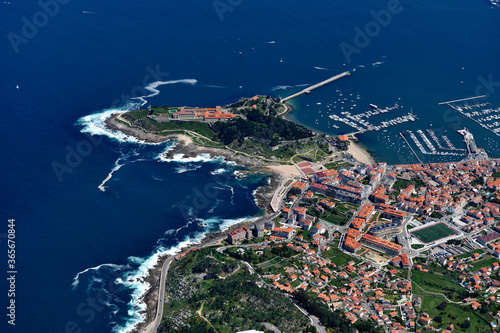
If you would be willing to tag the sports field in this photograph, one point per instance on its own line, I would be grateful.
(433, 233)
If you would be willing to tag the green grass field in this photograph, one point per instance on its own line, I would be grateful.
(435, 282)
(338, 257)
(456, 314)
(485, 262)
(433, 233)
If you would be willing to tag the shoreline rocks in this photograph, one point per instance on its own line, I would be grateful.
(263, 195)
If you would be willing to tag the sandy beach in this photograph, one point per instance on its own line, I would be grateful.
(188, 148)
(288, 171)
(360, 154)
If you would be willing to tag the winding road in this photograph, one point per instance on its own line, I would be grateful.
(153, 326)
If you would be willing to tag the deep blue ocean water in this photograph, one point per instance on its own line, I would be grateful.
(80, 250)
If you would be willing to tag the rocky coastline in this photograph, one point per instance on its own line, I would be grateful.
(189, 149)
(153, 279)
(186, 147)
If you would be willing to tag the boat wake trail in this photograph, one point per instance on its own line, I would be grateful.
(152, 88)
(76, 279)
(116, 168)
(95, 124)
(289, 87)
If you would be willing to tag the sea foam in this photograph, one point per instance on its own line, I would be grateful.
(115, 168)
(135, 279)
(200, 158)
(95, 124)
(152, 87)
(289, 87)
(76, 279)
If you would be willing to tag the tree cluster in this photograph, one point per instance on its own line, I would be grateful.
(329, 318)
(259, 126)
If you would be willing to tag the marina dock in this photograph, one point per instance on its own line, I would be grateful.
(404, 138)
(363, 125)
(433, 150)
(475, 111)
(317, 85)
(435, 138)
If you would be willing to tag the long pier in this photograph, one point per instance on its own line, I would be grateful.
(410, 147)
(315, 86)
(460, 109)
(461, 100)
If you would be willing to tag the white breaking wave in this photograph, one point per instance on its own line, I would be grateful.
(240, 175)
(227, 188)
(232, 194)
(204, 157)
(254, 192)
(94, 124)
(116, 168)
(183, 169)
(289, 87)
(76, 279)
(119, 164)
(152, 88)
(190, 221)
(136, 281)
(226, 224)
(218, 171)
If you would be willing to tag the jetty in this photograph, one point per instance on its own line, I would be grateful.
(468, 140)
(493, 128)
(420, 146)
(435, 138)
(317, 85)
(415, 154)
(461, 100)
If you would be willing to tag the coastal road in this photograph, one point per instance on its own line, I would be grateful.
(314, 320)
(153, 326)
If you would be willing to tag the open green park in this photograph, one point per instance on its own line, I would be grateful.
(338, 257)
(457, 314)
